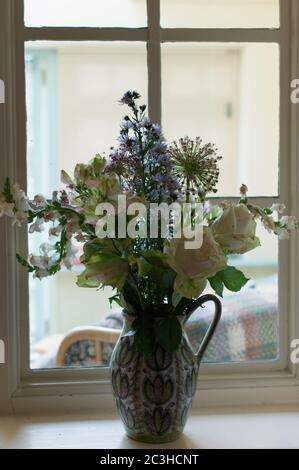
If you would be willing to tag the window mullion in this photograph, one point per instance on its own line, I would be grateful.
(263, 201)
(220, 35)
(285, 189)
(20, 175)
(154, 60)
(285, 79)
(84, 34)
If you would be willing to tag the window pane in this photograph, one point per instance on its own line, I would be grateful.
(72, 114)
(72, 103)
(228, 94)
(92, 13)
(248, 329)
(220, 13)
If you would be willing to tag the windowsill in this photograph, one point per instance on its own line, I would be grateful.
(247, 427)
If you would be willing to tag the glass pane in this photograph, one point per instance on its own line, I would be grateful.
(248, 330)
(72, 103)
(92, 13)
(228, 94)
(72, 114)
(220, 13)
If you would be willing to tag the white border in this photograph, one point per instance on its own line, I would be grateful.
(24, 390)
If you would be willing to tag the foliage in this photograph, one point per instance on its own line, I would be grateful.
(231, 278)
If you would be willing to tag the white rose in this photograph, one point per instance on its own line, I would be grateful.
(203, 262)
(235, 230)
(194, 266)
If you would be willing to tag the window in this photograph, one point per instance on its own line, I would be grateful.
(223, 76)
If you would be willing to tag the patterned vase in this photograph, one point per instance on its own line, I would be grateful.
(154, 395)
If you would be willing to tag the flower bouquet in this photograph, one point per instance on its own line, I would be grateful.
(148, 230)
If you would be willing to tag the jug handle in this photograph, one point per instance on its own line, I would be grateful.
(213, 325)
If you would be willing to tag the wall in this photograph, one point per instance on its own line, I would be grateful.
(76, 306)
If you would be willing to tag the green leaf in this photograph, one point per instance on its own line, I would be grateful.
(189, 288)
(92, 247)
(145, 335)
(97, 258)
(167, 280)
(115, 298)
(162, 277)
(231, 278)
(156, 258)
(217, 284)
(168, 332)
(7, 191)
(144, 268)
(65, 178)
(130, 300)
(83, 281)
(25, 263)
(98, 246)
(148, 147)
(98, 164)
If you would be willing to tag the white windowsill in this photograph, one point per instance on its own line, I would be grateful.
(250, 427)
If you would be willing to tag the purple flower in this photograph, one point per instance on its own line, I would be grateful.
(129, 98)
(127, 124)
(142, 159)
(144, 122)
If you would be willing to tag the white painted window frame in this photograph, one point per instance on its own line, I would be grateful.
(225, 384)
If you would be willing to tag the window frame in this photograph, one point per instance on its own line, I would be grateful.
(222, 384)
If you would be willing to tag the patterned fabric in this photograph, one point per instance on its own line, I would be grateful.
(81, 353)
(248, 329)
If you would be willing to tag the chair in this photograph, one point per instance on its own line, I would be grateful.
(93, 337)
